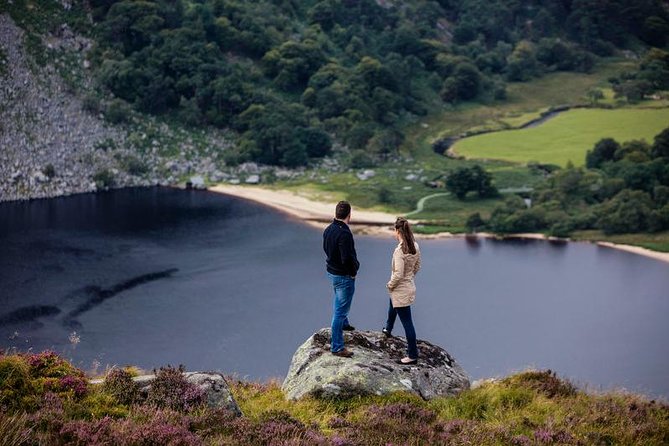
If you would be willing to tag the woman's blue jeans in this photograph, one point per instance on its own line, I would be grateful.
(344, 287)
(405, 317)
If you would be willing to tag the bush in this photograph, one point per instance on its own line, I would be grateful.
(384, 195)
(360, 160)
(545, 382)
(474, 222)
(466, 179)
(91, 104)
(626, 212)
(147, 427)
(171, 390)
(119, 384)
(54, 374)
(16, 387)
(604, 151)
(49, 171)
(104, 179)
(133, 165)
(117, 112)
(561, 229)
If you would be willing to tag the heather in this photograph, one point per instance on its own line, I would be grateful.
(45, 400)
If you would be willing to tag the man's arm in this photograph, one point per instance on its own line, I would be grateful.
(347, 253)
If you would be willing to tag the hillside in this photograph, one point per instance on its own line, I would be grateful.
(309, 95)
(45, 400)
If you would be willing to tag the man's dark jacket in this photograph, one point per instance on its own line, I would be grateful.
(340, 249)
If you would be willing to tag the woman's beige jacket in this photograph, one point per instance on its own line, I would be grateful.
(401, 284)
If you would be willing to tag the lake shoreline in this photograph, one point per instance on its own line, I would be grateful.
(376, 223)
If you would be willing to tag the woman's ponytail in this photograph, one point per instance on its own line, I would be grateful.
(408, 245)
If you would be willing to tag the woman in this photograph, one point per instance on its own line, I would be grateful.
(405, 265)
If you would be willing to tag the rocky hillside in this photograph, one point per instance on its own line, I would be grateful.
(54, 140)
(47, 138)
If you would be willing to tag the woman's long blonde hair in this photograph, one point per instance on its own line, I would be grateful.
(408, 244)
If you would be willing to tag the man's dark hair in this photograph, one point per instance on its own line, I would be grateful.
(343, 210)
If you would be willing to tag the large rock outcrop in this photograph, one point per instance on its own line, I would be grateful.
(372, 369)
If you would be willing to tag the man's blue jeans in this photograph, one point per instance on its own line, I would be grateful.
(344, 287)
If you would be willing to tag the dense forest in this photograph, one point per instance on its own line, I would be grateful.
(624, 188)
(294, 77)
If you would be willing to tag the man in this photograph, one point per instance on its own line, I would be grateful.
(342, 267)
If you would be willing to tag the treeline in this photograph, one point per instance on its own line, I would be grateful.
(652, 75)
(624, 188)
(290, 77)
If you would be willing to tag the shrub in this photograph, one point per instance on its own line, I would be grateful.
(91, 103)
(117, 112)
(474, 222)
(49, 171)
(148, 428)
(395, 424)
(170, 389)
(51, 373)
(16, 387)
(104, 179)
(384, 195)
(119, 384)
(628, 211)
(545, 382)
(360, 160)
(133, 165)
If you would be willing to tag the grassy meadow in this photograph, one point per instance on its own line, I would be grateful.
(567, 136)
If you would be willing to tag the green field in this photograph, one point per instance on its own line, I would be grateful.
(567, 137)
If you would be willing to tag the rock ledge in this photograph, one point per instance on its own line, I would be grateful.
(372, 370)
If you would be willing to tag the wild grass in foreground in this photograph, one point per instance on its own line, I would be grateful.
(45, 401)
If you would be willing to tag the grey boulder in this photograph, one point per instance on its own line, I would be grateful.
(214, 385)
(373, 369)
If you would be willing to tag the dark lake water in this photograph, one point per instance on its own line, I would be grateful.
(158, 276)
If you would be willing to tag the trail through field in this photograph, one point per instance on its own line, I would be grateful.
(421, 203)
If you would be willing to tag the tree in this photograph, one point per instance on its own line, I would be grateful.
(661, 145)
(474, 222)
(604, 150)
(464, 84)
(131, 24)
(316, 142)
(482, 182)
(522, 64)
(293, 63)
(595, 95)
(466, 179)
(655, 31)
(459, 182)
(626, 212)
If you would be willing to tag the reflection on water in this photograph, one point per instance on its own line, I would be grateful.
(157, 276)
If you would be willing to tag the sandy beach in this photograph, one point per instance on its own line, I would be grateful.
(366, 222)
(317, 214)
